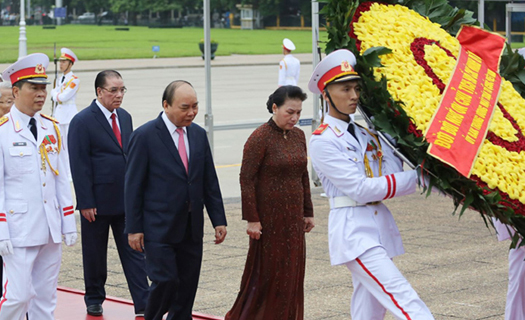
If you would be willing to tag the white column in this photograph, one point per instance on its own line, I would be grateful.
(22, 40)
(481, 13)
(208, 117)
(58, 4)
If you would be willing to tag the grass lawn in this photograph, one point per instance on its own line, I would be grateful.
(104, 42)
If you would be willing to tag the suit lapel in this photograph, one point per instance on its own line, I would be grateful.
(99, 116)
(124, 130)
(192, 141)
(167, 140)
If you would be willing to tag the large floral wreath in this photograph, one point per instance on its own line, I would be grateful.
(406, 60)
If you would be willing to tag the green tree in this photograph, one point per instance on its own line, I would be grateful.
(133, 7)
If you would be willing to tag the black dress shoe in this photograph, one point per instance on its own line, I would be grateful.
(95, 310)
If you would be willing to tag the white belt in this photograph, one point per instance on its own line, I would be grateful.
(344, 201)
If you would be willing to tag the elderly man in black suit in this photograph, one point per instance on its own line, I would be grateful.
(169, 179)
(98, 146)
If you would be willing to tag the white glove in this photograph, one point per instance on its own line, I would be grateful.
(70, 238)
(423, 181)
(6, 248)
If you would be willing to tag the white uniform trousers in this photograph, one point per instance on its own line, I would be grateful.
(30, 282)
(379, 286)
(515, 307)
(64, 129)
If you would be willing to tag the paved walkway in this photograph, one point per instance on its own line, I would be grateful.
(457, 266)
(186, 62)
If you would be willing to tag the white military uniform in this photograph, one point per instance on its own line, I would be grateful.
(357, 174)
(36, 209)
(515, 306)
(361, 230)
(289, 69)
(64, 94)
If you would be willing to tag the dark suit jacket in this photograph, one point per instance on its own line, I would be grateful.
(98, 163)
(158, 191)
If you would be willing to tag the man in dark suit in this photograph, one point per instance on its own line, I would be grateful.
(98, 146)
(170, 177)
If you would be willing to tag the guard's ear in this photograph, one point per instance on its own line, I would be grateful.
(325, 97)
(16, 91)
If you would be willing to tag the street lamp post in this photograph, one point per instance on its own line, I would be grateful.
(481, 12)
(58, 4)
(22, 40)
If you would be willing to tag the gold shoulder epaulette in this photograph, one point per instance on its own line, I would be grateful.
(3, 120)
(49, 118)
(320, 129)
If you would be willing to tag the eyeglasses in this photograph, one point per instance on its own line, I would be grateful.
(113, 90)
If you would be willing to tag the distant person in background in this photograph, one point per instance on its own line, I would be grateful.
(290, 66)
(6, 101)
(65, 94)
(276, 202)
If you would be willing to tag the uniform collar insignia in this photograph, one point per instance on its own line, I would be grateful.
(336, 130)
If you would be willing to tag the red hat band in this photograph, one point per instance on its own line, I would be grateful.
(67, 56)
(336, 72)
(28, 73)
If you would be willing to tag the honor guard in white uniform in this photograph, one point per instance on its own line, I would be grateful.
(515, 305)
(290, 66)
(36, 206)
(358, 173)
(64, 95)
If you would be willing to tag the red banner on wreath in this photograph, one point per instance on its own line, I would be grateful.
(461, 121)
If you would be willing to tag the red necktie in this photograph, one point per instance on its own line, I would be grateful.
(115, 128)
(182, 148)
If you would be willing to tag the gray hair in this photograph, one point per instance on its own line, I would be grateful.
(5, 85)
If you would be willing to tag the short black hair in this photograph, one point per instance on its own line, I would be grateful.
(19, 84)
(100, 80)
(169, 92)
(284, 93)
